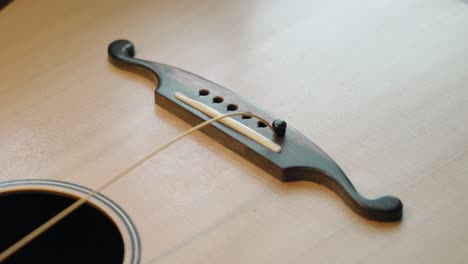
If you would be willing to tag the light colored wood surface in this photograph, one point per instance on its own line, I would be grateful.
(382, 86)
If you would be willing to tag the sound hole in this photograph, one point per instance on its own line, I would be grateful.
(85, 236)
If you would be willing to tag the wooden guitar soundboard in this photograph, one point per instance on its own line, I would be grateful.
(380, 87)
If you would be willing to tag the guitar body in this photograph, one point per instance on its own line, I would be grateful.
(377, 114)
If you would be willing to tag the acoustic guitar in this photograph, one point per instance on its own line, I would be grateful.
(121, 152)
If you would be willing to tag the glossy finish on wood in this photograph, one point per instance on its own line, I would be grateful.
(299, 159)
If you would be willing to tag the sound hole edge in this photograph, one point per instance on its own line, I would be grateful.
(87, 234)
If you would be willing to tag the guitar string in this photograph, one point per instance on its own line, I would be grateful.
(52, 221)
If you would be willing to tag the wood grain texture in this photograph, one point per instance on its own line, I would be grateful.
(381, 86)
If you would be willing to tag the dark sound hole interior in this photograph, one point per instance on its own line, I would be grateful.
(85, 236)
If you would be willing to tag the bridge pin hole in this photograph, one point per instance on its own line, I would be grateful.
(261, 124)
(204, 92)
(232, 107)
(218, 99)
